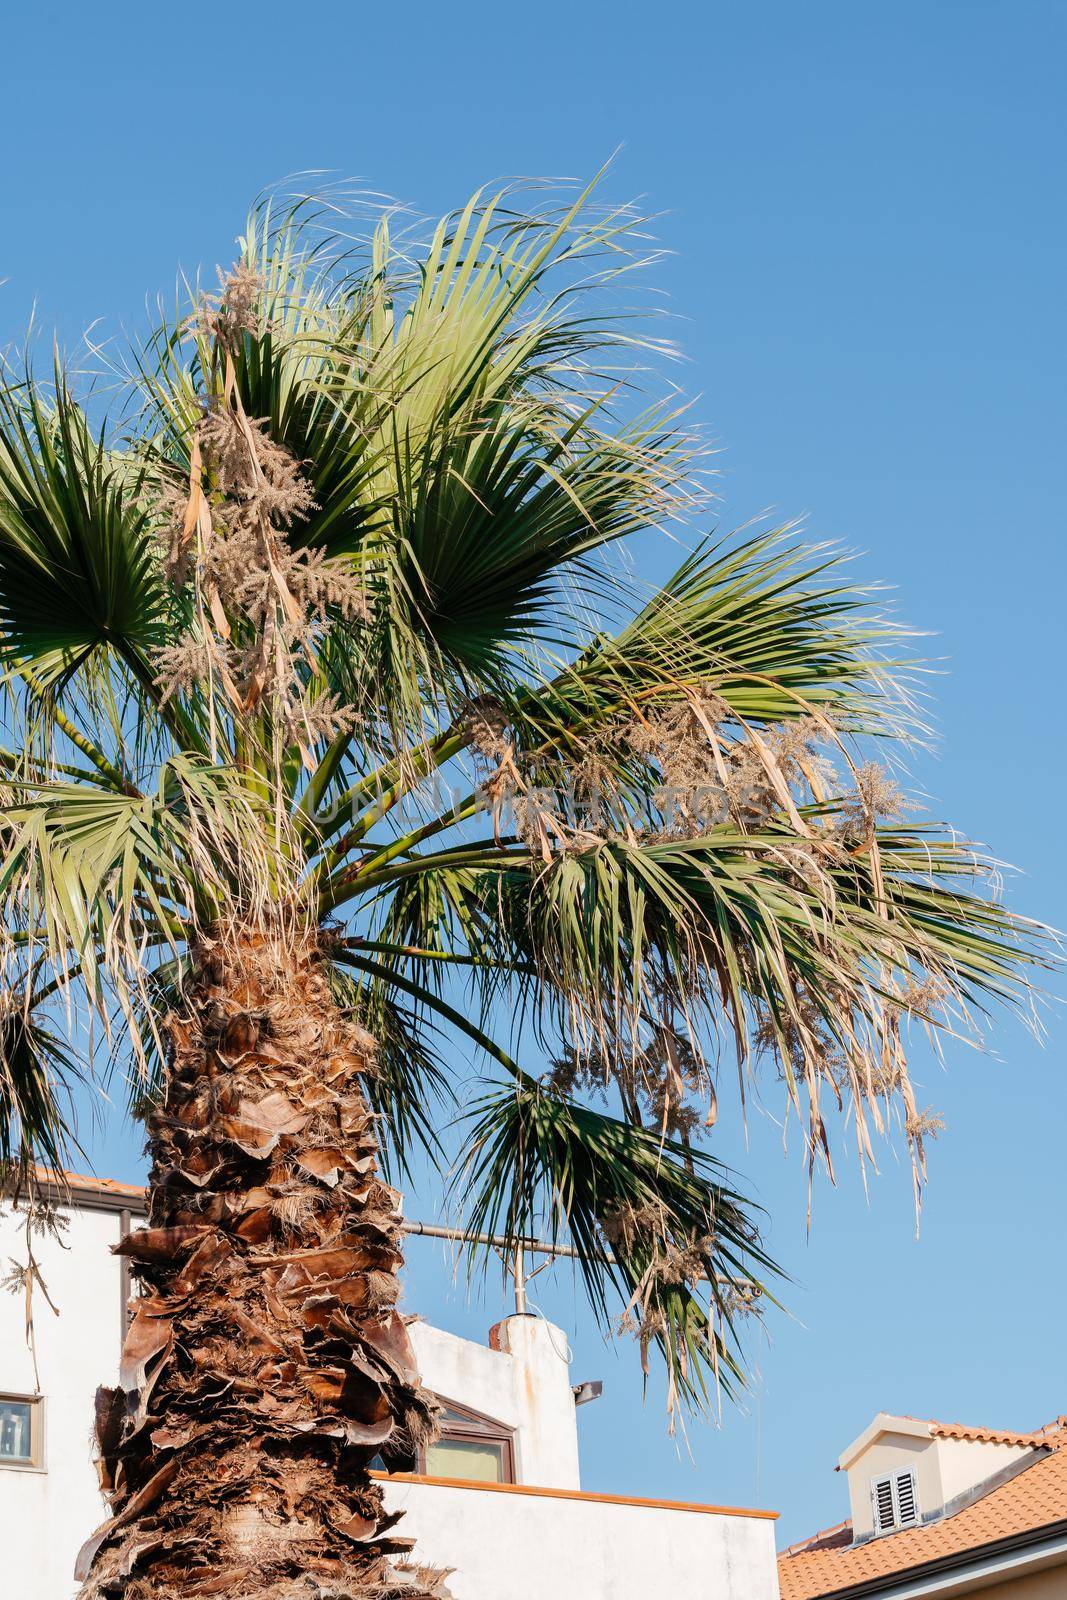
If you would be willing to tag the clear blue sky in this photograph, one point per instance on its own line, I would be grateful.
(866, 205)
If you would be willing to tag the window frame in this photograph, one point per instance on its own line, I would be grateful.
(36, 1462)
(892, 1481)
(474, 1426)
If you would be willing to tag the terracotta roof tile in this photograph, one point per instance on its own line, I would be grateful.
(1034, 1498)
(77, 1180)
(960, 1430)
(825, 1539)
(994, 1436)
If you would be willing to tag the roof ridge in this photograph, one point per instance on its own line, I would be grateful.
(978, 1433)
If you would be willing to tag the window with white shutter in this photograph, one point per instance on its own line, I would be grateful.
(907, 1506)
(882, 1496)
(894, 1502)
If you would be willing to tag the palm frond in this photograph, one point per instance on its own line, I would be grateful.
(767, 941)
(93, 883)
(410, 1089)
(770, 624)
(38, 1074)
(656, 1228)
(79, 572)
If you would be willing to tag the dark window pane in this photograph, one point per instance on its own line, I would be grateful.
(16, 1436)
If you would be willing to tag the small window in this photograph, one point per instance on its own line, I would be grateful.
(471, 1446)
(21, 1434)
(478, 1460)
(895, 1502)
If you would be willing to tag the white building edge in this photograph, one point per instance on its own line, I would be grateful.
(499, 1500)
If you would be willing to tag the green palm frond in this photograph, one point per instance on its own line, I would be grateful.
(92, 883)
(659, 1234)
(39, 1072)
(410, 1089)
(459, 445)
(771, 622)
(79, 572)
(722, 937)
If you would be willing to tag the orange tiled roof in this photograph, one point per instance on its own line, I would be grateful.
(960, 1430)
(77, 1180)
(1033, 1499)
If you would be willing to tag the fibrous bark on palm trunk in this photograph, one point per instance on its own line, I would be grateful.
(266, 1364)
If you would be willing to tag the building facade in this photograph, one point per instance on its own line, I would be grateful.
(940, 1510)
(498, 1498)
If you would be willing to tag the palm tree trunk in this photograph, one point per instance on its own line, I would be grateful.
(266, 1364)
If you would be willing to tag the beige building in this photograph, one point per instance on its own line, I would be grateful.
(939, 1509)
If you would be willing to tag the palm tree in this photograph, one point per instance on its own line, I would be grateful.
(331, 725)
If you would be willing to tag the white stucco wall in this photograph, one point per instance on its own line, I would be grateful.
(45, 1516)
(516, 1545)
(965, 1463)
(513, 1545)
(524, 1383)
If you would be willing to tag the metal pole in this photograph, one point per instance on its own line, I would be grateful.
(541, 1247)
(519, 1274)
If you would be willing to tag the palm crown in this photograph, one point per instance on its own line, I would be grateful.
(326, 633)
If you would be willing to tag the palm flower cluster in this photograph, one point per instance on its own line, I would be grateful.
(333, 731)
(261, 604)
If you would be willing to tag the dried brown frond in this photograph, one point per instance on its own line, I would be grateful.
(421, 1423)
(738, 1300)
(645, 1230)
(171, 503)
(420, 1582)
(487, 728)
(715, 769)
(225, 450)
(382, 1291)
(295, 1210)
(265, 605)
(667, 1078)
(308, 721)
(327, 586)
(624, 1225)
(575, 1073)
(16, 1278)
